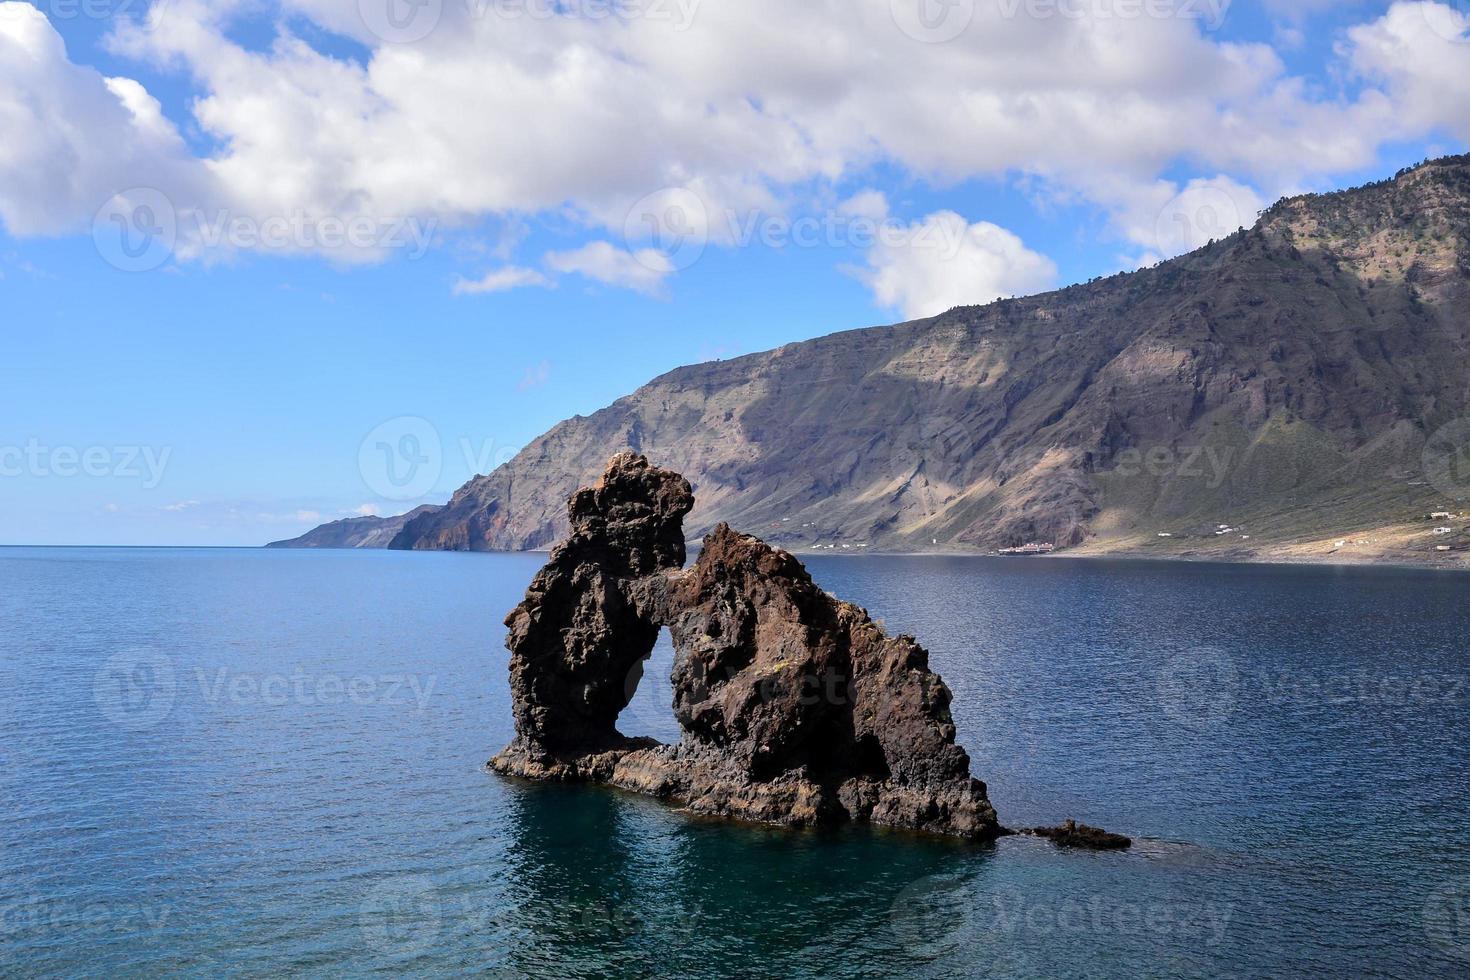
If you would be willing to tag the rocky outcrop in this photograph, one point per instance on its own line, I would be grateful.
(592, 616)
(795, 707)
(357, 532)
(1079, 835)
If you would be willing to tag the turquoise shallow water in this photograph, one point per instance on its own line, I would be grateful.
(224, 762)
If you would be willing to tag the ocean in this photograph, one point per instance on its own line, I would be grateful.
(244, 763)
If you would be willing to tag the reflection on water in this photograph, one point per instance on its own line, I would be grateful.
(603, 881)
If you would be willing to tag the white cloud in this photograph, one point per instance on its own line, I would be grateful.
(535, 377)
(944, 261)
(181, 506)
(502, 279)
(72, 137)
(870, 204)
(1166, 219)
(642, 271)
(365, 510)
(517, 116)
(1420, 53)
(1289, 37)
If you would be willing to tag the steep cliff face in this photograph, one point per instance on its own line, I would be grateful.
(1286, 378)
(355, 532)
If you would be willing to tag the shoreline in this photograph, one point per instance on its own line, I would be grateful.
(1460, 563)
(1451, 565)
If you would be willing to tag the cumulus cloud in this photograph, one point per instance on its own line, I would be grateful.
(1420, 54)
(944, 261)
(74, 138)
(870, 204)
(1166, 219)
(500, 280)
(535, 377)
(735, 103)
(642, 271)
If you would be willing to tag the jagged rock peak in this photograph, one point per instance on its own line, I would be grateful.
(633, 519)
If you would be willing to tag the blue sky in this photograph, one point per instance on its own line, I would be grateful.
(217, 386)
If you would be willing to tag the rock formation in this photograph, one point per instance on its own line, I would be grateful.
(795, 707)
(590, 619)
(1079, 835)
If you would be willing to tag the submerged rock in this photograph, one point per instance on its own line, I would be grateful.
(794, 706)
(1074, 834)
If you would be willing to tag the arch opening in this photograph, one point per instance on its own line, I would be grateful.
(650, 709)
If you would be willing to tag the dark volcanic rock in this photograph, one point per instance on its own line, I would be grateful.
(587, 621)
(783, 679)
(1074, 834)
(795, 707)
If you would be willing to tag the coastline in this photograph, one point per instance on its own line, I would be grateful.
(1461, 565)
(1458, 561)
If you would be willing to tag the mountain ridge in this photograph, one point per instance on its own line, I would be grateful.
(355, 532)
(1284, 381)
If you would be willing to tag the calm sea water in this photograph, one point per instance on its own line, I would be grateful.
(223, 762)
